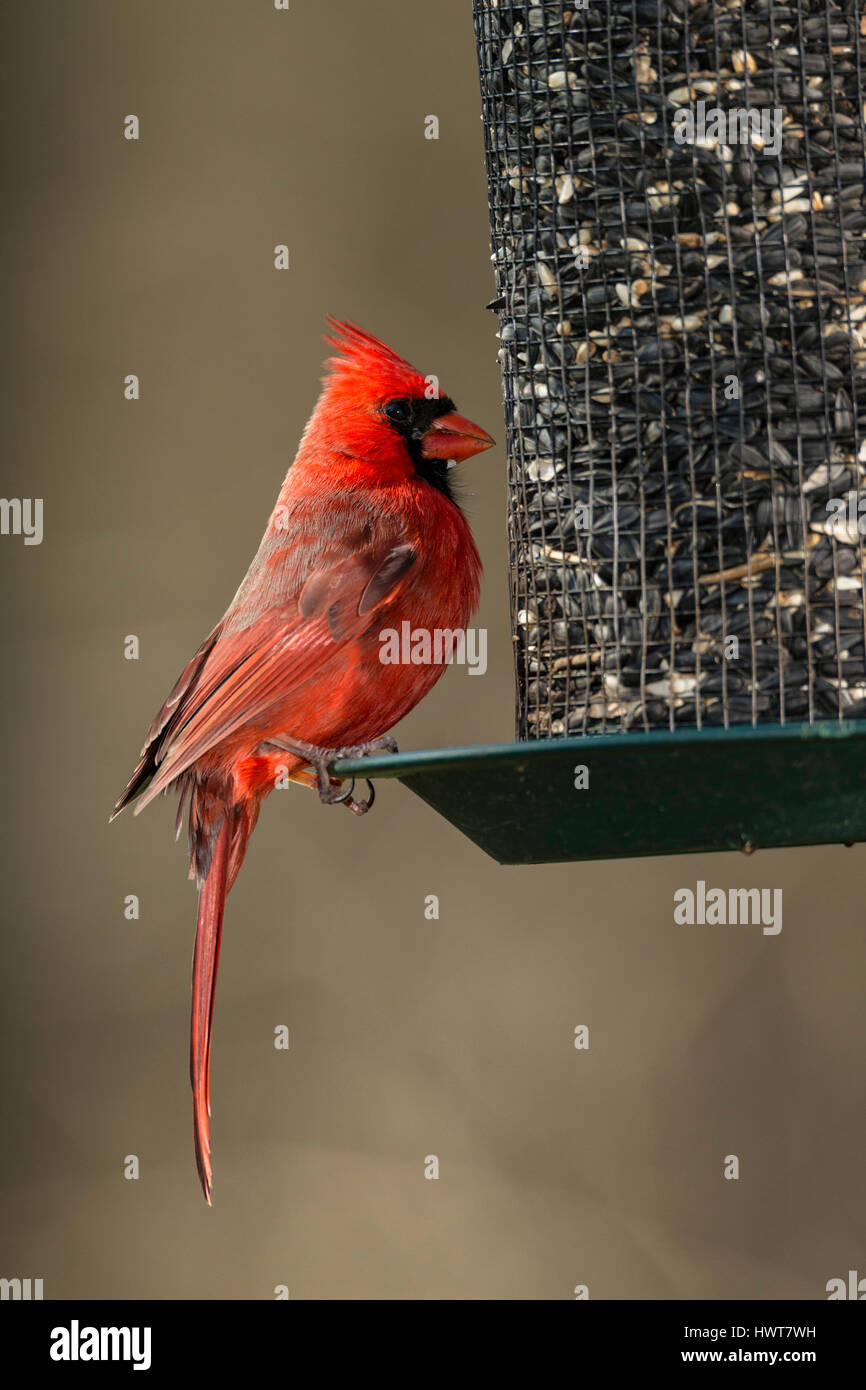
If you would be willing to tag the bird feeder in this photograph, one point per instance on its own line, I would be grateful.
(677, 218)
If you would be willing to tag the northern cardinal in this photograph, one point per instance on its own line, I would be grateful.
(365, 535)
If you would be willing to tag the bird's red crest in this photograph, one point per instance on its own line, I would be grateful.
(369, 359)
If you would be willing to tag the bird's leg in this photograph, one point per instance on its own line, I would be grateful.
(320, 760)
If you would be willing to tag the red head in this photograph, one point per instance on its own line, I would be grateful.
(377, 409)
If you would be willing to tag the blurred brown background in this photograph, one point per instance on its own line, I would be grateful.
(408, 1037)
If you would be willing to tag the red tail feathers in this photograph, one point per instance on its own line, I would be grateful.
(225, 861)
(211, 905)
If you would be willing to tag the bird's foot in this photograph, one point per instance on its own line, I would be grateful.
(330, 788)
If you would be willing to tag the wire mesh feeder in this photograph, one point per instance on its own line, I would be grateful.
(677, 211)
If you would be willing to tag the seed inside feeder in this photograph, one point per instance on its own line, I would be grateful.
(686, 403)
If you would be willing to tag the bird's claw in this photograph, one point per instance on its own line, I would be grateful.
(330, 793)
(329, 788)
(361, 808)
(321, 760)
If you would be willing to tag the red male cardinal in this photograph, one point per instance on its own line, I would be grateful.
(364, 536)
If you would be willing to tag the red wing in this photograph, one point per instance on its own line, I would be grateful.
(185, 681)
(162, 723)
(249, 670)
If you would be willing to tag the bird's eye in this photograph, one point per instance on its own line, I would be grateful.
(398, 412)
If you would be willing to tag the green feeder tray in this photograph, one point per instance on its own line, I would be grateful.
(645, 794)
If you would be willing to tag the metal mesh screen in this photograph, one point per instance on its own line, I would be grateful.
(682, 302)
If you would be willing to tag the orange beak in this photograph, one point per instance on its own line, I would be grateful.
(454, 437)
